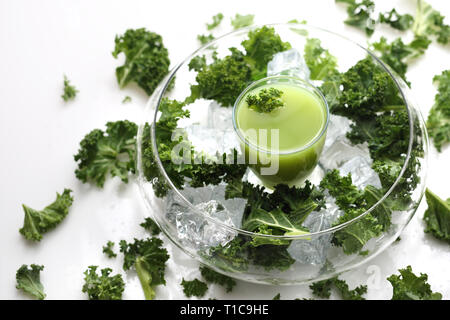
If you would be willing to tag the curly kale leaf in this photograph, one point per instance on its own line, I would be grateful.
(70, 91)
(151, 226)
(428, 21)
(37, 222)
(204, 39)
(397, 54)
(438, 122)
(194, 288)
(260, 47)
(108, 250)
(241, 21)
(103, 286)
(408, 286)
(396, 20)
(214, 277)
(149, 259)
(217, 19)
(321, 63)
(29, 280)
(322, 289)
(366, 90)
(146, 59)
(111, 152)
(223, 80)
(437, 216)
(360, 14)
(266, 100)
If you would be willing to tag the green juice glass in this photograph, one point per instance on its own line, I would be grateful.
(284, 145)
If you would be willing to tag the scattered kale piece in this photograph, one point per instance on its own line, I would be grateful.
(277, 297)
(151, 226)
(214, 277)
(149, 258)
(398, 54)
(29, 280)
(127, 99)
(397, 21)
(111, 152)
(70, 91)
(108, 249)
(408, 286)
(360, 14)
(437, 216)
(320, 62)
(217, 19)
(204, 39)
(428, 21)
(104, 286)
(195, 288)
(240, 21)
(438, 122)
(146, 59)
(266, 100)
(323, 288)
(37, 222)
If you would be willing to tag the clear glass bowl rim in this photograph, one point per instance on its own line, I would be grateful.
(142, 180)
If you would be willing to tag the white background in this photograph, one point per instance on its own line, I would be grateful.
(39, 134)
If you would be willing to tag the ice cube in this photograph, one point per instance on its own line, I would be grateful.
(338, 127)
(212, 140)
(289, 62)
(362, 173)
(314, 251)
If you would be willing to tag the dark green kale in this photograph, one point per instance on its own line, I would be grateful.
(37, 222)
(438, 123)
(321, 63)
(277, 297)
(437, 216)
(397, 21)
(108, 249)
(240, 21)
(104, 286)
(428, 21)
(146, 59)
(217, 19)
(360, 14)
(408, 286)
(322, 289)
(107, 153)
(151, 226)
(149, 259)
(70, 91)
(29, 280)
(265, 101)
(214, 277)
(127, 99)
(195, 288)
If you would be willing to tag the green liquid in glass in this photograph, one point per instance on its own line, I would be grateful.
(296, 148)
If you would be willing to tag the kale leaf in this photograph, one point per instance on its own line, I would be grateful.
(108, 249)
(360, 14)
(111, 152)
(217, 19)
(146, 59)
(151, 226)
(428, 21)
(321, 63)
(241, 21)
(194, 287)
(266, 100)
(438, 122)
(214, 277)
(29, 280)
(149, 259)
(70, 91)
(437, 216)
(408, 286)
(38, 222)
(103, 286)
(323, 288)
(397, 21)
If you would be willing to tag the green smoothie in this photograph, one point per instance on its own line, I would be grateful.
(283, 145)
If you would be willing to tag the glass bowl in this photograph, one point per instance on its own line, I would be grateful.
(208, 227)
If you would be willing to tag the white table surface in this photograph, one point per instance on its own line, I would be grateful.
(42, 40)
